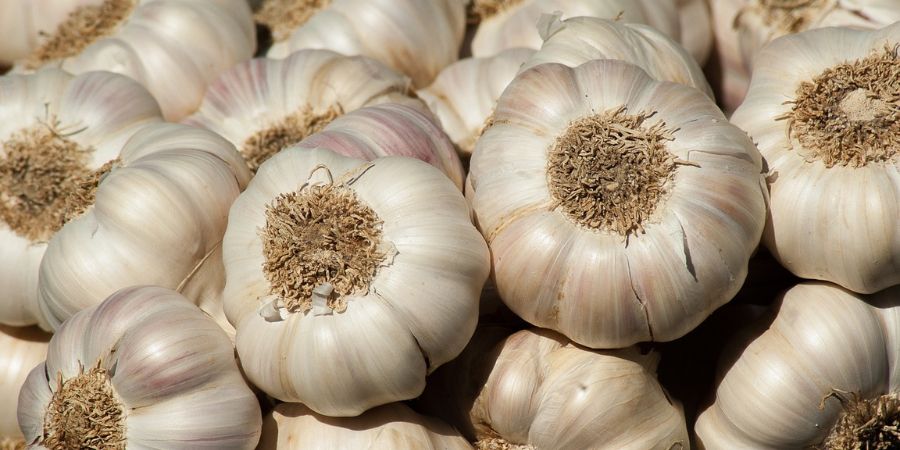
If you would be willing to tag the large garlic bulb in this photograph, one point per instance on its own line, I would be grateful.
(618, 209)
(464, 94)
(818, 373)
(513, 23)
(414, 37)
(144, 369)
(743, 27)
(20, 350)
(394, 426)
(57, 132)
(265, 105)
(348, 281)
(824, 111)
(578, 40)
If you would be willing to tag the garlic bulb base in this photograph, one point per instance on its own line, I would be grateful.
(288, 131)
(500, 444)
(283, 16)
(870, 424)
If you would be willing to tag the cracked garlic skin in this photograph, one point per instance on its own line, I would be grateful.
(23, 348)
(787, 387)
(143, 369)
(415, 37)
(618, 209)
(348, 281)
(823, 111)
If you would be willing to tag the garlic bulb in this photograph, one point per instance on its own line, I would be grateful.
(578, 40)
(743, 27)
(24, 21)
(464, 93)
(349, 281)
(22, 349)
(414, 37)
(172, 47)
(513, 23)
(618, 209)
(393, 426)
(823, 110)
(57, 132)
(826, 350)
(143, 369)
(695, 22)
(264, 105)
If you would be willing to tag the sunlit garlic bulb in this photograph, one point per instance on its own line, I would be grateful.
(348, 281)
(513, 23)
(618, 209)
(21, 349)
(265, 105)
(144, 369)
(464, 94)
(826, 369)
(414, 37)
(393, 426)
(823, 109)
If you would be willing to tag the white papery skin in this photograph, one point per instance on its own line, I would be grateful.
(578, 40)
(23, 21)
(107, 109)
(464, 93)
(548, 392)
(516, 26)
(22, 349)
(695, 20)
(840, 224)
(420, 309)
(738, 40)
(174, 48)
(415, 37)
(171, 366)
(823, 339)
(394, 426)
(594, 286)
(158, 218)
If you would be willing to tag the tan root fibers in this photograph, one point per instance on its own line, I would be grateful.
(288, 131)
(84, 413)
(83, 27)
(12, 444)
(787, 16)
(282, 17)
(849, 115)
(867, 424)
(483, 9)
(499, 444)
(45, 181)
(609, 171)
(320, 234)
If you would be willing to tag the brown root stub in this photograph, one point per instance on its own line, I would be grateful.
(849, 115)
(320, 234)
(609, 171)
(288, 131)
(500, 444)
(282, 17)
(787, 16)
(484, 9)
(84, 412)
(82, 28)
(45, 181)
(867, 424)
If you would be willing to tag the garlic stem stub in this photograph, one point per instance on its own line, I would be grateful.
(143, 369)
(618, 209)
(348, 281)
(21, 349)
(824, 109)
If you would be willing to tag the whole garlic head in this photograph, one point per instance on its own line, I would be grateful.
(823, 108)
(348, 281)
(618, 209)
(20, 350)
(143, 369)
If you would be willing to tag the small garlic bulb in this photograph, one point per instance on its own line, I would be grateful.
(827, 353)
(143, 369)
(578, 40)
(393, 426)
(513, 23)
(464, 94)
(823, 110)
(348, 281)
(172, 47)
(20, 350)
(414, 37)
(57, 132)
